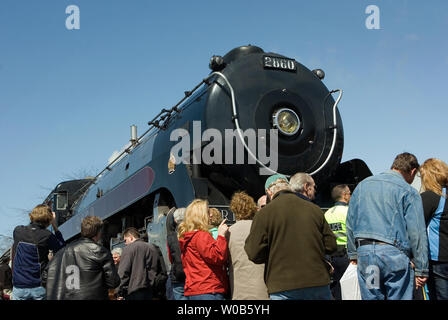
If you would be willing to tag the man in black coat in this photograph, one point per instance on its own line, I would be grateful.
(84, 270)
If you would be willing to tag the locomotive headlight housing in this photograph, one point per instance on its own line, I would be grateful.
(287, 121)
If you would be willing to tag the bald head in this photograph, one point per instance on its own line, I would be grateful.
(261, 202)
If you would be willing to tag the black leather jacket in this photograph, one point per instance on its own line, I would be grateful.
(83, 270)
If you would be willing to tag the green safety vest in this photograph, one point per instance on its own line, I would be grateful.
(336, 217)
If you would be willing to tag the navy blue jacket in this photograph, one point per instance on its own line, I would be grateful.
(436, 217)
(30, 253)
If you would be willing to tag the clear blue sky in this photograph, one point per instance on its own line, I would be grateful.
(67, 98)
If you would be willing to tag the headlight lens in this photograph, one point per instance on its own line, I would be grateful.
(286, 121)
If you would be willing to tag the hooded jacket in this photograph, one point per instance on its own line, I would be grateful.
(84, 270)
(204, 260)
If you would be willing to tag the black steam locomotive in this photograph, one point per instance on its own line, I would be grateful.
(253, 100)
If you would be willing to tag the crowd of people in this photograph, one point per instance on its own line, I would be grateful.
(282, 247)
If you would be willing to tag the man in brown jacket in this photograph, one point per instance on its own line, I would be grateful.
(290, 235)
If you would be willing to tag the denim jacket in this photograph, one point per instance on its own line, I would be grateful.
(386, 208)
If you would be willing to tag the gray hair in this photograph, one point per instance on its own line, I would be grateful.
(299, 180)
(279, 185)
(118, 251)
(179, 215)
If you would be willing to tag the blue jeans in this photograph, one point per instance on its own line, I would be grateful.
(438, 280)
(38, 293)
(384, 272)
(178, 290)
(206, 296)
(169, 289)
(313, 293)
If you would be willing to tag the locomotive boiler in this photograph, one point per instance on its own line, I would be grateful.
(292, 114)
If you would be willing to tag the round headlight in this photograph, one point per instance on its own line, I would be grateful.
(287, 121)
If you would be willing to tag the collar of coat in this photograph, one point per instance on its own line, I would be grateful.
(281, 192)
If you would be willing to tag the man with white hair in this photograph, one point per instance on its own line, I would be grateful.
(290, 235)
(303, 185)
(116, 255)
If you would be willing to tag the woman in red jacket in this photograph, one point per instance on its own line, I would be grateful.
(203, 258)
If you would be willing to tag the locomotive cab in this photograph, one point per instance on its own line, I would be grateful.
(65, 195)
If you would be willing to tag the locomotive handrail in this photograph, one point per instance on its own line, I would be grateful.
(237, 125)
(335, 128)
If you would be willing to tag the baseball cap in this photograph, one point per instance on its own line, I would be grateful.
(273, 178)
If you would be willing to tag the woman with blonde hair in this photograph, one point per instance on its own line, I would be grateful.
(204, 260)
(434, 177)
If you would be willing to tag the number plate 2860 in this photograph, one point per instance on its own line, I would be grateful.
(279, 63)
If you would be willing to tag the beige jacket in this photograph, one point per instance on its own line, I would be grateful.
(246, 277)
